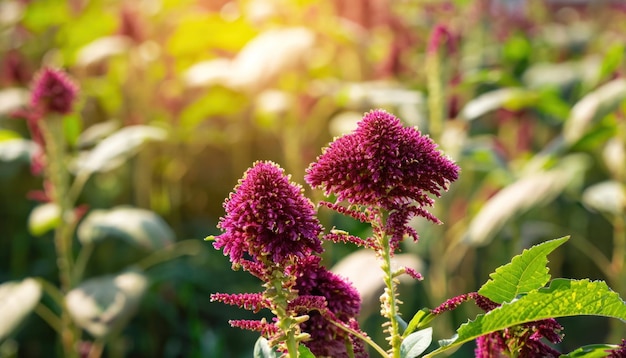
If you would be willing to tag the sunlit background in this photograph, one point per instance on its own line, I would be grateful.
(528, 97)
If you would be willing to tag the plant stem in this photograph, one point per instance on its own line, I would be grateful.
(389, 304)
(58, 177)
(362, 337)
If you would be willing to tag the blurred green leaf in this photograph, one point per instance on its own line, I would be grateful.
(116, 149)
(607, 197)
(139, 227)
(561, 299)
(197, 33)
(612, 60)
(17, 300)
(533, 190)
(416, 343)
(42, 15)
(593, 107)
(511, 98)
(14, 153)
(262, 349)
(219, 101)
(43, 218)
(526, 272)
(104, 304)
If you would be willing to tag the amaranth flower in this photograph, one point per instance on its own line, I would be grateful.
(343, 303)
(386, 165)
(268, 219)
(53, 92)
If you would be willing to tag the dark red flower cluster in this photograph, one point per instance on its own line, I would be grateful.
(268, 219)
(53, 92)
(386, 165)
(343, 304)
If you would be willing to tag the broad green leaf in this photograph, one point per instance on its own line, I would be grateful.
(606, 197)
(104, 304)
(137, 226)
(44, 218)
(562, 298)
(590, 351)
(262, 349)
(416, 343)
(17, 300)
(532, 190)
(113, 151)
(525, 272)
(593, 107)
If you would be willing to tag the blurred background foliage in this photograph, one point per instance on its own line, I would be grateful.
(527, 96)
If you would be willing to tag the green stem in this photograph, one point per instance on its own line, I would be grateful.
(181, 248)
(58, 177)
(362, 337)
(389, 303)
(50, 317)
(52, 130)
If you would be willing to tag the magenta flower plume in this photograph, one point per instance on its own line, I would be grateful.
(618, 352)
(53, 92)
(382, 163)
(268, 219)
(385, 165)
(343, 303)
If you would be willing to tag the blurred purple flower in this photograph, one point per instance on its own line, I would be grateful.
(386, 165)
(53, 92)
(268, 219)
(343, 304)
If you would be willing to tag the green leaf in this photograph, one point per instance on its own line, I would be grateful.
(115, 150)
(593, 107)
(104, 304)
(530, 191)
(606, 197)
(262, 349)
(44, 218)
(590, 351)
(304, 352)
(14, 154)
(421, 318)
(525, 272)
(512, 98)
(137, 226)
(562, 298)
(17, 300)
(416, 343)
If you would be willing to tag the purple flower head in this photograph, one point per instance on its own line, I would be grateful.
(268, 219)
(383, 163)
(343, 303)
(53, 92)
(526, 340)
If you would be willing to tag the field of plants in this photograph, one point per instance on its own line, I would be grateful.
(126, 128)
